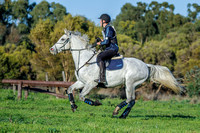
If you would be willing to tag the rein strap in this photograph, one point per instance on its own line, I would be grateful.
(87, 62)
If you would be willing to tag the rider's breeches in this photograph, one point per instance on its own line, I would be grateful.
(105, 55)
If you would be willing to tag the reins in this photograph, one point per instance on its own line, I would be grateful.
(79, 50)
(87, 62)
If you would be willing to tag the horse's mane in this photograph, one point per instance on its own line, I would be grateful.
(83, 37)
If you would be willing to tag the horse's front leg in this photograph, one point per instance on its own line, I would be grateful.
(77, 85)
(85, 91)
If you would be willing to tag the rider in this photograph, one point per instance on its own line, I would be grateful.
(110, 41)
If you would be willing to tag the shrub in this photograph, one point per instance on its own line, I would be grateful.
(192, 79)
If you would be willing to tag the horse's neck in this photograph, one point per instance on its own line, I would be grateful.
(82, 56)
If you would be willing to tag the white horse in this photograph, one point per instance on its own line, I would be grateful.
(133, 73)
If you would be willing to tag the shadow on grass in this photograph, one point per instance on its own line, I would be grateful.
(147, 117)
(164, 116)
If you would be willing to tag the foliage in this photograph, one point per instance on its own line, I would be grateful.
(20, 10)
(45, 10)
(5, 11)
(44, 113)
(42, 60)
(152, 20)
(2, 33)
(188, 57)
(126, 45)
(15, 62)
(193, 13)
(14, 36)
(193, 81)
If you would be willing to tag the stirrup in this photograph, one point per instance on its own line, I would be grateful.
(96, 80)
(99, 81)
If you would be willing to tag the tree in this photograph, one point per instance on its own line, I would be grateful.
(15, 62)
(127, 28)
(127, 45)
(21, 15)
(58, 11)
(140, 29)
(150, 25)
(2, 33)
(193, 14)
(42, 60)
(197, 26)
(14, 36)
(19, 10)
(188, 58)
(5, 12)
(44, 10)
(40, 11)
(178, 20)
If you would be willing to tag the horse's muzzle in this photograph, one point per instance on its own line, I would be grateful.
(52, 51)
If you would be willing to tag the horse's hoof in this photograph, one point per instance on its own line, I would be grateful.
(74, 107)
(115, 113)
(97, 103)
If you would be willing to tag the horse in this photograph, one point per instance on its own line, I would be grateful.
(133, 73)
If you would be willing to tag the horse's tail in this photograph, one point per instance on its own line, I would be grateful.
(163, 75)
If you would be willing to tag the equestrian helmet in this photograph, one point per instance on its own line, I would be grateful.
(105, 17)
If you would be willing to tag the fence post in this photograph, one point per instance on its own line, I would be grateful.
(64, 79)
(26, 92)
(19, 90)
(57, 91)
(14, 89)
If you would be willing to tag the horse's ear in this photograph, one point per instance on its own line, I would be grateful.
(65, 30)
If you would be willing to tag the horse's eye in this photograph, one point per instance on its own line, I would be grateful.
(62, 39)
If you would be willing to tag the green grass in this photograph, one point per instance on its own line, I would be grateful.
(44, 113)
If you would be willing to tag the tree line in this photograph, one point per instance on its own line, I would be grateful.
(150, 32)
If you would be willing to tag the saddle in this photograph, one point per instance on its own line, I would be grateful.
(118, 56)
(114, 63)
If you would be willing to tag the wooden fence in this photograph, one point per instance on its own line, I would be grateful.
(29, 84)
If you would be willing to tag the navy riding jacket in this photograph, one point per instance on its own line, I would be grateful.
(110, 39)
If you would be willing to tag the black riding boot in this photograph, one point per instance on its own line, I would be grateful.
(102, 72)
(102, 78)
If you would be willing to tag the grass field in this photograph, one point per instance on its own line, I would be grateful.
(44, 113)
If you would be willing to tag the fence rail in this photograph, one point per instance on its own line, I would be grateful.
(27, 84)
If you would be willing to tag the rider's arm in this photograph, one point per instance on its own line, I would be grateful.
(108, 34)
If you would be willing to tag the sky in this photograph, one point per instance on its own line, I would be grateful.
(92, 9)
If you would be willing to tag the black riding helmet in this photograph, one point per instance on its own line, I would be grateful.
(105, 17)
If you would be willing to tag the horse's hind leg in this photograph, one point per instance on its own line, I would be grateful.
(128, 109)
(119, 107)
(130, 94)
(131, 83)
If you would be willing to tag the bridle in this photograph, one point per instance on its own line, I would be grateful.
(79, 50)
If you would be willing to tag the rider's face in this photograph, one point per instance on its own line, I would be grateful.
(101, 22)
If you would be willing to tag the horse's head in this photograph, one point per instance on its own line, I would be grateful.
(62, 44)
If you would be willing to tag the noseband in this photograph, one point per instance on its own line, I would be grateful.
(70, 49)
